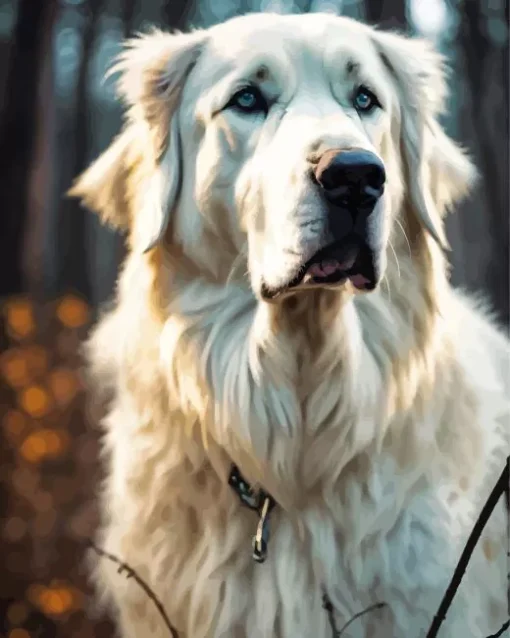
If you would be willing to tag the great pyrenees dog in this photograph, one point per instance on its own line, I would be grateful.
(305, 419)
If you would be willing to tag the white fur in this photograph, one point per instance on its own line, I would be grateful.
(378, 422)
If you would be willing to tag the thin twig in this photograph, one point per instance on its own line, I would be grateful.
(488, 508)
(131, 573)
(361, 613)
(328, 606)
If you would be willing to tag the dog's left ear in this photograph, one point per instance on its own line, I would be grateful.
(438, 173)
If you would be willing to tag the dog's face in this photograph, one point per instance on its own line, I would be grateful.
(283, 144)
(295, 130)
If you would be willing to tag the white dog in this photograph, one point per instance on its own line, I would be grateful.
(284, 317)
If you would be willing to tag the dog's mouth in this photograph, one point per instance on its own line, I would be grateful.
(333, 265)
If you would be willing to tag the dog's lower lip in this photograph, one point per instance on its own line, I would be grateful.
(333, 278)
(331, 264)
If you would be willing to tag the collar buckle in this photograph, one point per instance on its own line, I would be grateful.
(260, 502)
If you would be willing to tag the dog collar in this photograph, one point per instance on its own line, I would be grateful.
(260, 502)
(263, 503)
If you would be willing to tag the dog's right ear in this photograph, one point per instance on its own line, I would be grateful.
(104, 186)
(134, 184)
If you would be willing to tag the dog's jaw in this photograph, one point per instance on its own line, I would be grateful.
(353, 265)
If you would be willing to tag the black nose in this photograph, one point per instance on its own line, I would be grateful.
(353, 176)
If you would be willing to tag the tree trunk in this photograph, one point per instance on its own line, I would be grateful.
(42, 179)
(486, 70)
(18, 134)
(303, 6)
(17, 141)
(73, 271)
(389, 14)
(128, 14)
(176, 12)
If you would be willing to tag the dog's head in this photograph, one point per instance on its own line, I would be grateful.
(282, 145)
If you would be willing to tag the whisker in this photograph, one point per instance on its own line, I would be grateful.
(396, 258)
(404, 233)
(235, 266)
(388, 287)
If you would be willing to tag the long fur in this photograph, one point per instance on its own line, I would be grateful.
(378, 422)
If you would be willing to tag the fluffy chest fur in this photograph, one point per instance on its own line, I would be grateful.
(375, 497)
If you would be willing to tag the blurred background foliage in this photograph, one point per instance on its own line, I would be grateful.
(58, 265)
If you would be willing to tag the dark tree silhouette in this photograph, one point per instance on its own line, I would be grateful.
(42, 179)
(18, 134)
(129, 10)
(17, 141)
(486, 72)
(303, 6)
(72, 227)
(386, 13)
(175, 13)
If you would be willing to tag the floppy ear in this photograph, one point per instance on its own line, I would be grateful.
(104, 186)
(437, 171)
(134, 184)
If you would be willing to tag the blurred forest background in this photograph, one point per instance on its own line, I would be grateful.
(57, 264)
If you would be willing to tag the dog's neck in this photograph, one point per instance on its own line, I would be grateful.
(310, 316)
(259, 377)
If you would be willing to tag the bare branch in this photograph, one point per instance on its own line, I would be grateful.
(501, 631)
(498, 491)
(131, 573)
(361, 613)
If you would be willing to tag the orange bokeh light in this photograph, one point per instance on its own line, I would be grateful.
(35, 400)
(14, 368)
(19, 366)
(44, 443)
(64, 385)
(20, 318)
(33, 448)
(56, 442)
(56, 599)
(72, 312)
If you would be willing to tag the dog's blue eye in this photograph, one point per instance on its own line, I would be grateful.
(365, 100)
(249, 100)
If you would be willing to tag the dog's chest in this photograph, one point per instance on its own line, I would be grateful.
(367, 539)
(396, 563)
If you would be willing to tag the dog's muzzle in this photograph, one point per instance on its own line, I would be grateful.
(351, 182)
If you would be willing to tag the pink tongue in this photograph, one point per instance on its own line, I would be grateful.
(324, 269)
(358, 281)
(328, 267)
